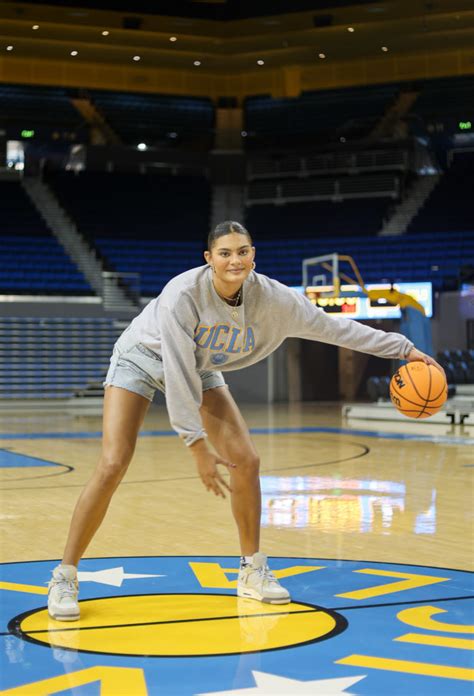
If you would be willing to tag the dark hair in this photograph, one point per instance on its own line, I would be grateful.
(226, 227)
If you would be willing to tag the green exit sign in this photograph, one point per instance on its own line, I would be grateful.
(465, 125)
(27, 133)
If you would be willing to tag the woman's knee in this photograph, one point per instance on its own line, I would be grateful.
(113, 466)
(247, 465)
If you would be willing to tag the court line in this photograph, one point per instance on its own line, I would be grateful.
(235, 558)
(314, 609)
(444, 439)
(365, 451)
(169, 621)
(395, 604)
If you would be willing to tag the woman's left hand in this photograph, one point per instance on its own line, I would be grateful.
(416, 354)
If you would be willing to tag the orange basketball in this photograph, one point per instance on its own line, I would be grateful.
(418, 390)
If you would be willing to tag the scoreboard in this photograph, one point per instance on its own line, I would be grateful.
(354, 304)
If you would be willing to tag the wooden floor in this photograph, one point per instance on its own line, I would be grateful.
(327, 493)
(369, 526)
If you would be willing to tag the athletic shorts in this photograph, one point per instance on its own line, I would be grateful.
(135, 367)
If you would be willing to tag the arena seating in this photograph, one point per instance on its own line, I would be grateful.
(446, 100)
(316, 116)
(32, 260)
(150, 224)
(458, 365)
(407, 258)
(318, 219)
(46, 110)
(54, 358)
(152, 119)
(449, 208)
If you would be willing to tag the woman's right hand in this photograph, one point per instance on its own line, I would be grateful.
(207, 463)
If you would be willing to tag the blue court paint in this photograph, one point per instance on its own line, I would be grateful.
(442, 439)
(369, 626)
(14, 460)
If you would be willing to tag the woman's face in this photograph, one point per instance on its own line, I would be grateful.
(232, 257)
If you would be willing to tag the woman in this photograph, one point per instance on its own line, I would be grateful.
(222, 316)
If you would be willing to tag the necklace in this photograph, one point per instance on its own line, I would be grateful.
(233, 310)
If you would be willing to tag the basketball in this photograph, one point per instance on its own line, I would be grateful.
(418, 390)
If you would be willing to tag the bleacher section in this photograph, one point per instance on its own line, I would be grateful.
(32, 261)
(54, 358)
(134, 206)
(139, 223)
(46, 110)
(449, 208)
(154, 119)
(447, 100)
(156, 261)
(316, 116)
(312, 220)
(405, 258)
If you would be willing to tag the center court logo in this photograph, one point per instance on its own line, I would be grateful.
(174, 625)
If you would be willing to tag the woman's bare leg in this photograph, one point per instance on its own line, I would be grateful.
(230, 436)
(124, 413)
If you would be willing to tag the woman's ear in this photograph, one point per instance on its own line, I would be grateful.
(207, 256)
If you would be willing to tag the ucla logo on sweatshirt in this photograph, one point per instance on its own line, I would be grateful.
(224, 340)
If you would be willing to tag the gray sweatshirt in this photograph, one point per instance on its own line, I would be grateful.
(193, 329)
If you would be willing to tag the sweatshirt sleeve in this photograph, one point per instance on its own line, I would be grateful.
(182, 381)
(311, 322)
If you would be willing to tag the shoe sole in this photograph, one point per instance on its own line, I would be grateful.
(251, 594)
(64, 617)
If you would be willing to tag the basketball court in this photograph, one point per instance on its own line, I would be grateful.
(369, 525)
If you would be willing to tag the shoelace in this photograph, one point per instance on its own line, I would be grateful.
(66, 588)
(267, 574)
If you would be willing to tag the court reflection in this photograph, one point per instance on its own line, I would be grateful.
(331, 504)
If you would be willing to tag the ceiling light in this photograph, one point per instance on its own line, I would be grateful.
(142, 146)
(197, 63)
(136, 57)
(384, 49)
(35, 26)
(9, 48)
(105, 32)
(173, 38)
(321, 55)
(73, 53)
(351, 29)
(260, 62)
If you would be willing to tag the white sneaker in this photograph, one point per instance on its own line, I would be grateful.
(62, 595)
(256, 581)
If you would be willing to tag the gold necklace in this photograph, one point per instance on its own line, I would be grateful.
(233, 311)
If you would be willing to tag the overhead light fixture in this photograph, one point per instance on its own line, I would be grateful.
(73, 53)
(35, 27)
(173, 38)
(105, 32)
(142, 146)
(9, 48)
(321, 55)
(260, 62)
(351, 29)
(197, 63)
(385, 49)
(136, 58)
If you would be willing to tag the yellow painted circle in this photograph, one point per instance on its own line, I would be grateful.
(180, 625)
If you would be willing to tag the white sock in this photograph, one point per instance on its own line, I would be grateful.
(245, 561)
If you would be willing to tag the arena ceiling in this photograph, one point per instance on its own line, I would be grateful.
(220, 10)
(283, 46)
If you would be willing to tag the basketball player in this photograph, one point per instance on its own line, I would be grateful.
(221, 316)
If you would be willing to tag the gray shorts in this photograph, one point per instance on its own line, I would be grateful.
(135, 367)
